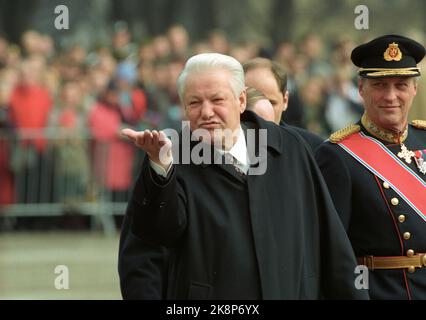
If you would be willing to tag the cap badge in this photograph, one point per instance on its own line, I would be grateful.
(393, 53)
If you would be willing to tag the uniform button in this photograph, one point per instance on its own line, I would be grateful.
(401, 218)
(395, 201)
(162, 204)
(411, 269)
(144, 201)
(410, 253)
(407, 235)
(386, 185)
(424, 260)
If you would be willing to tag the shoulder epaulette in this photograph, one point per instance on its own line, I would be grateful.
(344, 133)
(420, 124)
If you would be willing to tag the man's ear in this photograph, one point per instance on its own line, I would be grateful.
(415, 86)
(285, 99)
(243, 100)
(360, 87)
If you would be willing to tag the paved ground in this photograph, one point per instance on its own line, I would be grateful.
(28, 262)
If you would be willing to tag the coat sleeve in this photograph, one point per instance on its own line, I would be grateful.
(338, 179)
(338, 261)
(328, 251)
(158, 207)
(142, 266)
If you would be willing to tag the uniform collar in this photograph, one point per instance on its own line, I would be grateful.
(383, 134)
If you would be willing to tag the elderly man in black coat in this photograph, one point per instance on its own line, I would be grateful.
(247, 214)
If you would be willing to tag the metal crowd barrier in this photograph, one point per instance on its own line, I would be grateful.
(54, 172)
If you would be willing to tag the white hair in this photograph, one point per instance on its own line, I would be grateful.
(204, 61)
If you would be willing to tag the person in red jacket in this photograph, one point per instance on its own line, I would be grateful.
(30, 103)
(120, 104)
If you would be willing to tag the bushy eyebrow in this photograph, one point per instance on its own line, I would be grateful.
(193, 98)
(403, 81)
(217, 95)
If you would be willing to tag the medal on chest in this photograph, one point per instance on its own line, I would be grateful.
(420, 158)
(406, 154)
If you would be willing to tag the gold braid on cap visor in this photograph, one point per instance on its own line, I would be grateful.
(380, 72)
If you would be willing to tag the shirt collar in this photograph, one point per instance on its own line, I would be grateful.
(239, 149)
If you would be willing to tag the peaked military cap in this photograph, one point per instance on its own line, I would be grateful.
(388, 56)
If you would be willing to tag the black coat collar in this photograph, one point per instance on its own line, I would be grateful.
(250, 120)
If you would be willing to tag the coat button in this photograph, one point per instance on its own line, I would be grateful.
(162, 204)
(401, 218)
(410, 253)
(144, 201)
(411, 269)
(395, 201)
(406, 235)
(386, 185)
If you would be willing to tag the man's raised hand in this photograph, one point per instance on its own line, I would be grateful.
(152, 143)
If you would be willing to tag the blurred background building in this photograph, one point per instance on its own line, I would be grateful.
(65, 171)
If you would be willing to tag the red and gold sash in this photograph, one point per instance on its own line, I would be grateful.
(373, 155)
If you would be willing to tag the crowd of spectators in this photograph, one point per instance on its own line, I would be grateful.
(72, 102)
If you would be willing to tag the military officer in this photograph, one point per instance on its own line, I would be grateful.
(376, 170)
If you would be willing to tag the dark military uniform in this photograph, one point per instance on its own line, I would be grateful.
(378, 221)
(379, 185)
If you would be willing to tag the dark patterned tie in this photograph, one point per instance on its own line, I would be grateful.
(231, 159)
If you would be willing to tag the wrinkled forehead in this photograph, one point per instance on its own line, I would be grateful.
(207, 80)
(390, 80)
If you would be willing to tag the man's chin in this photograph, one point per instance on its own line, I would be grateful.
(207, 138)
(218, 140)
